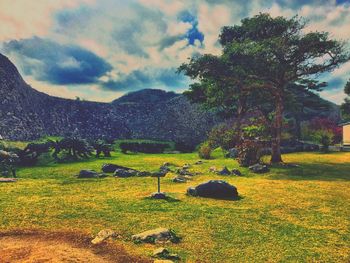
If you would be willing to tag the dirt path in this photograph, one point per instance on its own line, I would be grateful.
(30, 247)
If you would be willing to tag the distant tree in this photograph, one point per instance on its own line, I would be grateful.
(264, 55)
(345, 107)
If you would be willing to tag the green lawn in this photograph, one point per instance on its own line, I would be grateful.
(288, 215)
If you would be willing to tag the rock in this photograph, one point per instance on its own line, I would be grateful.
(157, 195)
(144, 173)
(164, 168)
(186, 166)
(163, 261)
(259, 168)
(214, 189)
(90, 174)
(236, 172)
(213, 169)
(224, 171)
(110, 168)
(8, 180)
(199, 162)
(184, 172)
(232, 153)
(103, 235)
(125, 173)
(165, 254)
(159, 174)
(180, 179)
(157, 235)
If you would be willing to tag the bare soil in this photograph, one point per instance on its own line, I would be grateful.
(39, 247)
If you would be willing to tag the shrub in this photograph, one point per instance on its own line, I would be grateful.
(323, 137)
(143, 147)
(224, 136)
(185, 147)
(204, 151)
(249, 152)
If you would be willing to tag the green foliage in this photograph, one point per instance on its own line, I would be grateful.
(143, 147)
(345, 107)
(323, 137)
(224, 136)
(249, 152)
(204, 151)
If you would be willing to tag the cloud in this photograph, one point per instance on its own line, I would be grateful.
(118, 45)
(148, 78)
(49, 61)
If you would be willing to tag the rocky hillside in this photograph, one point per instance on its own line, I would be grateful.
(27, 114)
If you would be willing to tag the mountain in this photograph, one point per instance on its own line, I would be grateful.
(27, 114)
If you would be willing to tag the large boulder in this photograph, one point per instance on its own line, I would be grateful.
(125, 173)
(259, 168)
(214, 189)
(110, 167)
(157, 235)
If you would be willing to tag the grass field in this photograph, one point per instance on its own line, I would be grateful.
(287, 215)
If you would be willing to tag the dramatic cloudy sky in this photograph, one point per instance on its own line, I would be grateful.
(101, 49)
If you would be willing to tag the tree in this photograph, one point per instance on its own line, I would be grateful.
(267, 55)
(345, 107)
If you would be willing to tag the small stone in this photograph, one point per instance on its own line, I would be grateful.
(236, 172)
(90, 174)
(161, 252)
(186, 166)
(159, 174)
(164, 168)
(224, 171)
(213, 169)
(8, 180)
(259, 168)
(158, 195)
(144, 173)
(110, 167)
(103, 235)
(157, 235)
(163, 261)
(198, 162)
(180, 179)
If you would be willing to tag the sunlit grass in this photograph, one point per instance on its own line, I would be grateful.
(290, 214)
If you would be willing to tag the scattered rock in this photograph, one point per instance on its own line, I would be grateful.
(158, 195)
(110, 168)
(8, 180)
(165, 254)
(236, 172)
(259, 168)
(90, 174)
(184, 172)
(125, 173)
(157, 235)
(213, 169)
(164, 168)
(180, 179)
(186, 166)
(214, 189)
(163, 261)
(199, 162)
(144, 173)
(103, 235)
(224, 171)
(159, 174)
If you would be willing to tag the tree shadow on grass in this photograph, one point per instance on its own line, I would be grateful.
(321, 171)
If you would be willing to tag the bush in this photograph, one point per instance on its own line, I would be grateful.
(323, 137)
(143, 147)
(185, 147)
(204, 151)
(224, 136)
(249, 152)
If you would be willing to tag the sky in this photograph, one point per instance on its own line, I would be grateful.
(101, 49)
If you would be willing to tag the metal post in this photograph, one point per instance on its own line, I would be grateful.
(158, 184)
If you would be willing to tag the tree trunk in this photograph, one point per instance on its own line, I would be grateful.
(276, 140)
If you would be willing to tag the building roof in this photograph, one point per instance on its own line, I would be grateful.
(344, 123)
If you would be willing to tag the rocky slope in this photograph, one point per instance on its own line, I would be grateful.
(27, 114)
